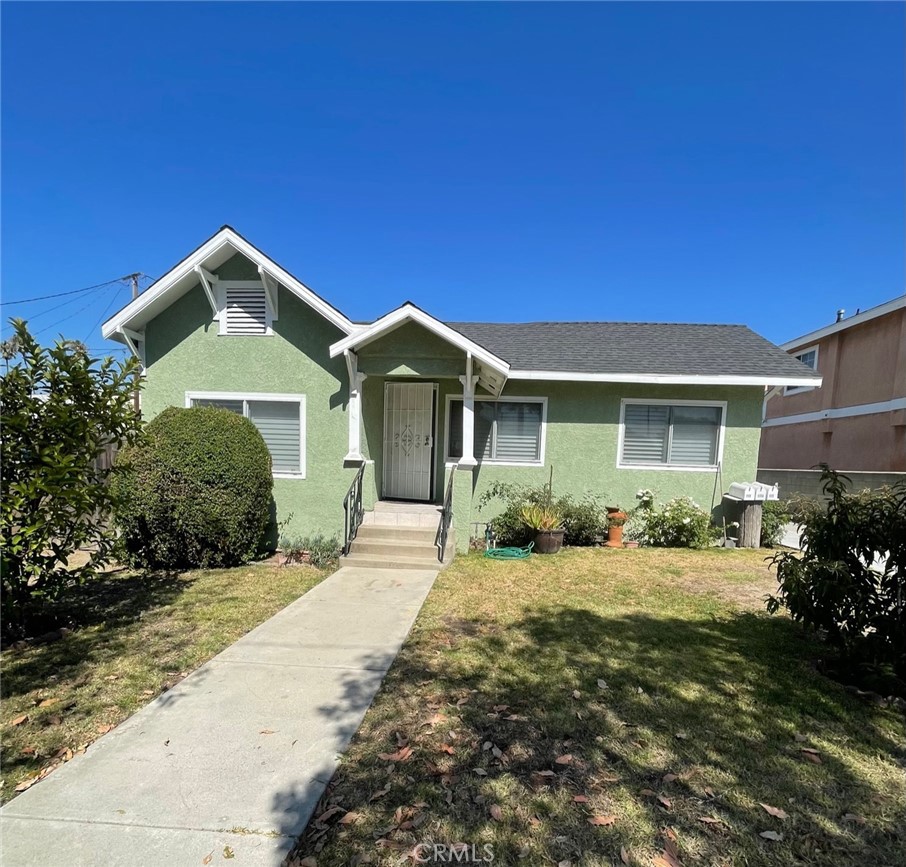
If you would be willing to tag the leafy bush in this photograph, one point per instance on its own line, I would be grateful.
(60, 409)
(196, 493)
(774, 516)
(849, 581)
(322, 551)
(582, 519)
(681, 523)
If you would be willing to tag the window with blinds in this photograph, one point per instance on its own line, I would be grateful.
(245, 311)
(508, 431)
(280, 423)
(681, 435)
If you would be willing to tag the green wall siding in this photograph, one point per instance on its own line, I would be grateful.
(184, 352)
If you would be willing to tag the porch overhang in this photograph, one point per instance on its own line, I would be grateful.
(492, 371)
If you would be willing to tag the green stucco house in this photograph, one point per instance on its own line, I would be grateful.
(412, 409)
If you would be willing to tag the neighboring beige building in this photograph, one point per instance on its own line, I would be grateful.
(856, 420)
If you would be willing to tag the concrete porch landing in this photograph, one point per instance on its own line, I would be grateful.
(238, 754)
(394, 513)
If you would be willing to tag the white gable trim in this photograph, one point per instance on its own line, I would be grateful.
(665, 378)
(410, 313)
(267, 268)
(843, 324)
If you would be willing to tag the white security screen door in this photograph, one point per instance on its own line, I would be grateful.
(408, 440)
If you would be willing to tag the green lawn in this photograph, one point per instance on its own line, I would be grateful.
(605, 707)
(133, 637)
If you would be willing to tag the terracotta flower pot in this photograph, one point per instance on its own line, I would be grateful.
(548, 541)
(615, 536)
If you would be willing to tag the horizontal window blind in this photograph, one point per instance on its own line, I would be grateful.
(645, 434)
(279, 424)
(518, 431)
(278, 421)
(504, 430)
(246, 311)
(662, 435)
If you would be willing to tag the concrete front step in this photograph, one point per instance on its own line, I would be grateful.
(394, 547)
(423, 535)
(381, 561)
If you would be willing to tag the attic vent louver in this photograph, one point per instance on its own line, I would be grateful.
(246, 311)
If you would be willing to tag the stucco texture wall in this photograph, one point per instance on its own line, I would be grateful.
(581, 443)
(184, 352)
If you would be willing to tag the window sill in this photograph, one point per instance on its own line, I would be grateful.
(454, 462)
(671, 468)
(289, 475)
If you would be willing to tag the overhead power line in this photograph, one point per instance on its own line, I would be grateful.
(75, 291)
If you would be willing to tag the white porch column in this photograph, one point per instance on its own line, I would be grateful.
(468, 415)
(355, 407)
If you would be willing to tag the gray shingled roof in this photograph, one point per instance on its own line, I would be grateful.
(633, 347)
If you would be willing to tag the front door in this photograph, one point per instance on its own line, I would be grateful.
(408, 440)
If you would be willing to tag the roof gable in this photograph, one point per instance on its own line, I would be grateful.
(220, 247)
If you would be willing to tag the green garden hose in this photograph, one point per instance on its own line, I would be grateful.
(510, 553)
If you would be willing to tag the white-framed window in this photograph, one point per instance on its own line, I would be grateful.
(508, 430)
(809, 357)
(245, 308)
(279, 417)
(671, 434)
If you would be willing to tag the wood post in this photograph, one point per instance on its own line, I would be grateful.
(750, 525)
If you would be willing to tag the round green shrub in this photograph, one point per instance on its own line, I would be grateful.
(196, 493)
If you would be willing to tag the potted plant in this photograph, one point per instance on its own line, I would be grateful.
(547, 522)
(616, 518)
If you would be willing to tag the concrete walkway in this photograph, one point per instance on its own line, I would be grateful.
(234, 758)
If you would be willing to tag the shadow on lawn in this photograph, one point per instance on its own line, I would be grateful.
(737, 691)
(116, 601)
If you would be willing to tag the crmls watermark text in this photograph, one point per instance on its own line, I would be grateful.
(456, 853)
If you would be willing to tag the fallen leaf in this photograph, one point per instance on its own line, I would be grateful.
(811, 755)
(709, 791)
(481, 772)
(771, 835)
(55, 720)
(534, 821)
(28, 751)
(48, 702)
(564, 864)
(801, 738)
(228, 852)
(775, 811)
(435, 719)
(682, 736)
(380, 793)
(564, 759)
(500, 708)
(496, 812)
(544, 774)
(446, 748)
(580, 799)
(462, 701)
(266, 732)
(401, 755)
(401, 739)
(709, 820)
(854, 817)
(666, 859)
(27, 784)
(351, 817)
(602, 820)
(330, 811)
(624, 855)
(648, 793)
(104, 729)
(577, 694)
(310, 861)
(665, 801)
(602, 684)
(151, 692)
(19, 720)
(669, 778)
(207, 858)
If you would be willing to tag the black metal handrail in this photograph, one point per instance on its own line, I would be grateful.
(353, 510)
(446, 517)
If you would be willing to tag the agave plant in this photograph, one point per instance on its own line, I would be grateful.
(540, 517)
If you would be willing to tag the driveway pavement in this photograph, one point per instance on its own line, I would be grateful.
(232, 761)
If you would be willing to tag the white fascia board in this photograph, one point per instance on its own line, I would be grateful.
(199, 257)
(858, 319)
(409, 312)
(664, 378)
(838, 412)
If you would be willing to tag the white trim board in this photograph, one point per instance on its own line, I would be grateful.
(843, 324)
(682, 468)
(839, 412)
(408, 312)
(262, 395)
(216, 246)
(448, 460)
(665, 378)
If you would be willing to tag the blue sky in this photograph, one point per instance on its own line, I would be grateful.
(668, 162)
